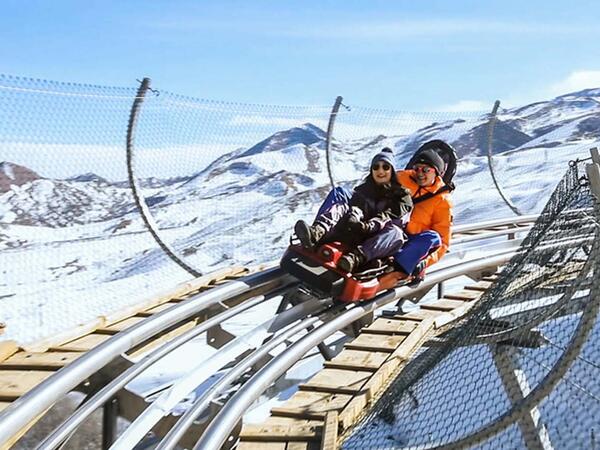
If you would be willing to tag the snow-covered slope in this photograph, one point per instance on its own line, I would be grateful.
(62, 237)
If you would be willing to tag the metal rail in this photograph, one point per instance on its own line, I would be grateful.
(494, 223)
(218, 430)
(35, 402)
(169, 398)
(185, 422)
(70, 425)
(28, 407)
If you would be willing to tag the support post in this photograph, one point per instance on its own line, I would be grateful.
(327, 353)
(593, 173)
(595, 155)
(440, 289)
(535, 434)
(110, 413)
(332, 117)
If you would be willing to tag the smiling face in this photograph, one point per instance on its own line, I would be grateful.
(424, 174)
(381, 172)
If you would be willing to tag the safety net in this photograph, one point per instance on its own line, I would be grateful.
(220, 184)
(520, 370)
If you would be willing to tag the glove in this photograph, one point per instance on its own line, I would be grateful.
(357, 227)
(362, 228)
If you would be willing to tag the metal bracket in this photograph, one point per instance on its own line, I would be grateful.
(535, 434)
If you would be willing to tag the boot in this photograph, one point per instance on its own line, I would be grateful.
(351, 261)
(309, 236)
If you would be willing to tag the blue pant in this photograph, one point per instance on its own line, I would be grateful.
(390, 240)
(386, 242)
(336, 196)
(417, 247)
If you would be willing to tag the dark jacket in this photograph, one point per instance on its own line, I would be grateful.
(382, 203)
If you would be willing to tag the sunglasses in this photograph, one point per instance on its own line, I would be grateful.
(423, 169)
(376, 167)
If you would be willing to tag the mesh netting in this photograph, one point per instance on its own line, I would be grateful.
(224, 183)
(221, 180)
(529, 147)
(242, 174)
(520, 370)
(67, 217)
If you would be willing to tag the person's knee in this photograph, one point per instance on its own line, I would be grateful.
(341, 194)
(398, 234)
(431, 236)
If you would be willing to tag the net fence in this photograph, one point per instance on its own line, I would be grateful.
(521, 369)
(224, 183)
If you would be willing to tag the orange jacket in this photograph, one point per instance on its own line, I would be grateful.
(435, 213)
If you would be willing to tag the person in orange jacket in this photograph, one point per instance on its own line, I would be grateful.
(430, 225)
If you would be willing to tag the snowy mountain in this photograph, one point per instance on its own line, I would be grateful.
(65, 237)
(58, 203)
(307, 134)
(570, 118)
(14, 175)
(287, 163)
(90, 176)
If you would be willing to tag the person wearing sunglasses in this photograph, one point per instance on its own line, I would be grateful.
(369, 222)
(429, 228)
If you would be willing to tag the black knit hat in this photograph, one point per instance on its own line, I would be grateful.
(432, 159)
(386, 155)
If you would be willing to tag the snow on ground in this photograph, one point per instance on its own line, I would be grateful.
(56, 278)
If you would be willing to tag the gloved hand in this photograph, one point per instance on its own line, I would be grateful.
(355, 222)
(362, 228)
(355, 215)
(400, 191)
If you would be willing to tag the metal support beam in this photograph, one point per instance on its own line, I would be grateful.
(297, 298)
(110, 413)
(332, 117)
(535, 434)
(593, 173)
(595, 155)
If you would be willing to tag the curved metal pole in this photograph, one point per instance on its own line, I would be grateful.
(491, 125)
(218, 430)
(135, 189)
(25, 409)
(62, 432)
(332, 117)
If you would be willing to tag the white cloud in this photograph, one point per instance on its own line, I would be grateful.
(573, 82)
(367, 28)
(268, 121)
(576, 81)
(63, 160)
(465, 106)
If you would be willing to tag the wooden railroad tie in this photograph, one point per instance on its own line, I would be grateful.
(338, 395)
(22, 369)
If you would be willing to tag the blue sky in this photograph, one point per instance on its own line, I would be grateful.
(408, 55)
